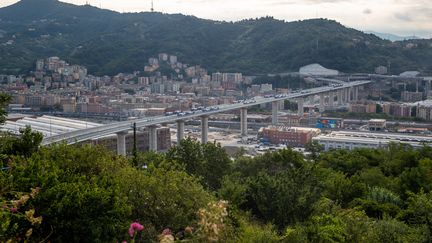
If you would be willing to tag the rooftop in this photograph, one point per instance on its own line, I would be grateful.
(47, 125)
(291, 129)
(374, 138)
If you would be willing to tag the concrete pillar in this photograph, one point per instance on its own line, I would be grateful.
(356, 93)
(204, 129)
(331, 99)
(300, 106)
(427, 87)
(275, 110)
(350, 91)
(121, 143)
(347, 95)
(339, 97)
(321, 105)
(243, 122)
(153, 138)
(180, 130)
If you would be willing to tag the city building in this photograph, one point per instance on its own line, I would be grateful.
(163, 57)
(217, 77)
(424, 110)
(362, 107)
(408, 96)
(381, 70)
(173, 60)
(377, 124)
(157, 88)
(353, 140)
(292, 136)
(266, 87)
(397, 109)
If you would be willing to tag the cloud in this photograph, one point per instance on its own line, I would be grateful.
(415, 14)
(367, 11)
(403, 17)
(425, 12)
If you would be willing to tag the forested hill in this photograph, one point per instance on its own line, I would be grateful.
(109, 42)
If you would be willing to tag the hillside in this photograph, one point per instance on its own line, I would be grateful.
(108, 42)
(391, 37)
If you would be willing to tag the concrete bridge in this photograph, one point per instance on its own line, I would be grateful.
(344, 92)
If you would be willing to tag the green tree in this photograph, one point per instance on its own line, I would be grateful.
(342, 189)
(27, 143)
(162, 198)
(79, 200)
(252, 232)
(233, 189)
(419, 212)
(4, 101)
(391, 231)
(208, 161)
(270, 163)
(285, 198)
(314, 148)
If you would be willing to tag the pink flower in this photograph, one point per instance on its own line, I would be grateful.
(137, 226)
(131, 232)
(14, 210)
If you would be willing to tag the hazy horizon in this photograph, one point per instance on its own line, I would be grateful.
(398, 17)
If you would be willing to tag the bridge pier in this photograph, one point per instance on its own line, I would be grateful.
(180, 130)
(243, 122)
(121, 143)
(355, 93)
(331, 99)
(153, 138)
(204, 129)
(275, 111)
(427, 86)
(321, 105)
(300, 106)
(339, 97)
(346, 95)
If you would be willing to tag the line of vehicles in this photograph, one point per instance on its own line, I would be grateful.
(192, 111)
(245, 101)
(336, 85)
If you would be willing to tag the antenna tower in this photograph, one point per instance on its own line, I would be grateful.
(152, 8)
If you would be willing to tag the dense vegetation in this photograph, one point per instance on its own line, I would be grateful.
(196, 193)
(109, 42)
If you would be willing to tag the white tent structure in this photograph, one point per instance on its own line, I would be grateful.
(409, 74)
(317, 70)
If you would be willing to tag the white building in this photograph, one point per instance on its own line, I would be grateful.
(353, 140)
(163, 57)
(173, 60)
(317, 70)
(409, 74)
(47, 125)
(266, 87)
(381, 70)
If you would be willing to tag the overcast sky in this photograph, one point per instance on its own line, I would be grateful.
(402, 17)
